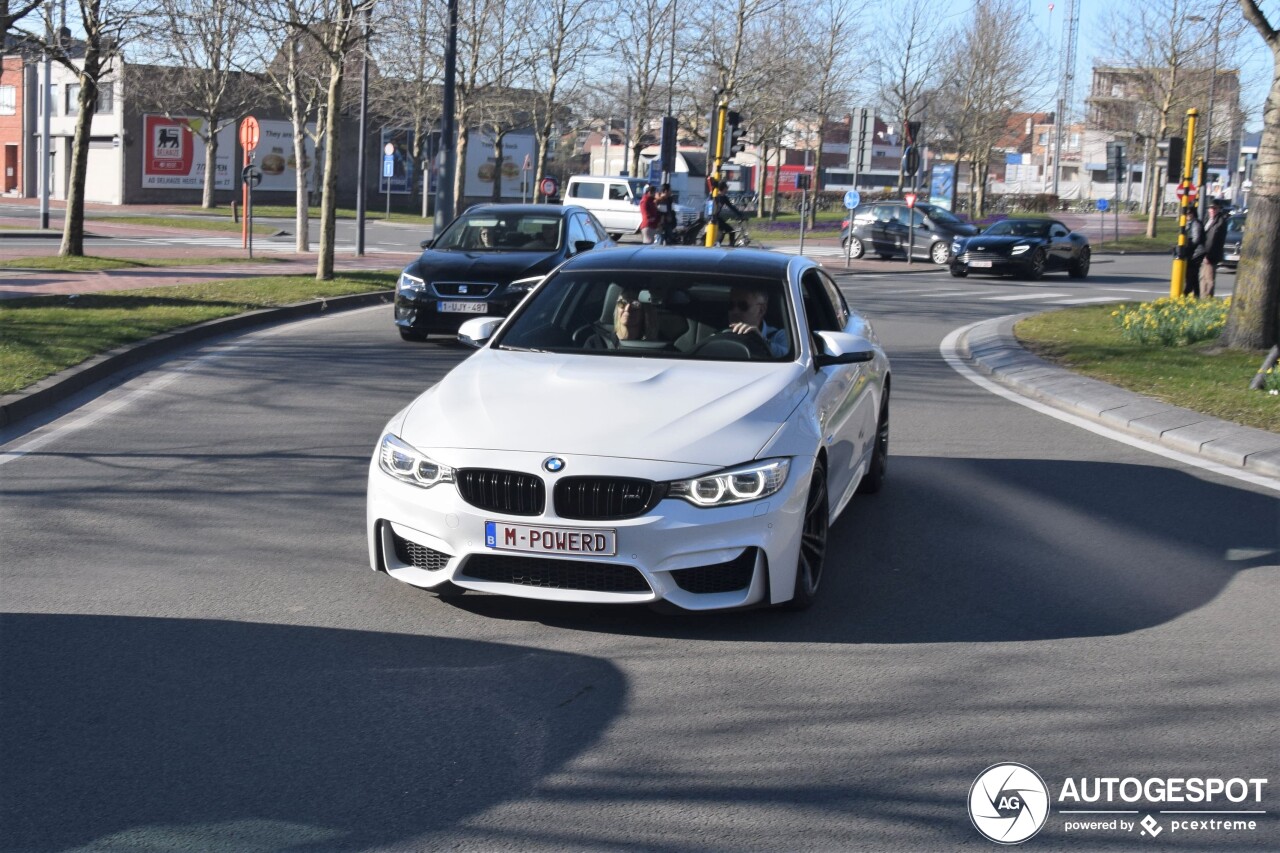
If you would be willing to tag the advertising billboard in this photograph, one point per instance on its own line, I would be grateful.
(402, 172)
(942, 185)
(480, 166)
(274, 156)
(173, 156)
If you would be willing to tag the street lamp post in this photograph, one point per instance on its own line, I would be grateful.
(364, 133)
(1208, 113)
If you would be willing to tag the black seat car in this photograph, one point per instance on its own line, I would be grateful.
(885, 228)
(1234, 238)
(486, 260)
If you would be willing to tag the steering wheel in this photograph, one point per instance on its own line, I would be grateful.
(584, 333)
(730, 344)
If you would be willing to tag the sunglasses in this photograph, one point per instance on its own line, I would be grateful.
(628, 303)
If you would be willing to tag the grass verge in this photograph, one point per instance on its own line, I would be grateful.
(187, 223)
(93, 263)
(40, 336)
(1202, 377)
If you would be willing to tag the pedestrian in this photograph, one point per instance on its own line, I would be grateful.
(667, 211)
(1215, 238)
(650, 219)
(1194, 252)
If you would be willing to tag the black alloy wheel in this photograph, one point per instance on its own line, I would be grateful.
(1080, 266)
(959, 271)
(873, 480)
(1035, 269)
(813, 541)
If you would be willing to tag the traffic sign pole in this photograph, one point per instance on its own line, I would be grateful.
(911, 224)
(1177, 277)
(851, 202)
(249, 134)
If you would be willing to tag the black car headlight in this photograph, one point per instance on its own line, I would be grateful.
(409, 465)
(1020, 249)
(410, 284)
(733, 485)
(524, 285)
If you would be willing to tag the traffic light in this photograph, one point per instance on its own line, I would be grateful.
(1173, 163)
(912, 133)
(734, 143)
(1116, 162)
(668, 146)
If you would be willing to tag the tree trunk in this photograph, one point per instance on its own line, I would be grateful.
(301, 175)
(210, 165)
(73, 224)
(1254, 321)
(496, 192)
(459, 174)
(329, 199)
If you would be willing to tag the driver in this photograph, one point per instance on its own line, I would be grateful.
(632, 321)
(747, 307)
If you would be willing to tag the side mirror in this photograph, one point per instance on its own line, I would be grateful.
(426, 244)
(583, 245)
(841, 348)
(477, 332)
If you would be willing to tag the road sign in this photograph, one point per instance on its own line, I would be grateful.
(251, 175)
(549, 186)
(910, 199)
(528, 164)
(249, 132)
(389, 149)
(852, 199)
(1187, 191)
(388, 166)
(1103, 204)
(802, 182)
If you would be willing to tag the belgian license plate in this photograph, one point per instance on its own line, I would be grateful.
(539, 539)
(979, 263)
(462, 307)
(1231, 257)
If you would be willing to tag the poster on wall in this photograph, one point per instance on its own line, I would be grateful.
(173, 155)
(942, 185)
(480, 163)
(274, 156)
(402, 172)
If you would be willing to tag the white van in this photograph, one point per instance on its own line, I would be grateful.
(616, 202)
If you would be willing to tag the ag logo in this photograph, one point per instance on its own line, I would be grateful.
(1008, 803)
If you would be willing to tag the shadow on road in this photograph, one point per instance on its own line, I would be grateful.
(167, 734)
(954, 551)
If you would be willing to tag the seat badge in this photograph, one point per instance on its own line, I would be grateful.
(462, 288)
(554, 464)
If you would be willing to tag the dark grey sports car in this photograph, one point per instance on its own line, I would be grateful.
(1026, 247)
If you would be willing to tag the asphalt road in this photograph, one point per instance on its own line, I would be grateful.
(196, 656)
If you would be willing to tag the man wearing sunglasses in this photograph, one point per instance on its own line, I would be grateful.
(747, 307)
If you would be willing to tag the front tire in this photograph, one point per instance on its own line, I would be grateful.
(1035, 267)
(856, 247)
(813, 542)
(940, 253)
(873, 480)
(411, 335)
(959, 271)
(1080, 266)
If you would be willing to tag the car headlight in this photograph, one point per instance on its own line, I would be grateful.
(1020, 248)
(733, 485)
(409, 465)
(957, 247)
(411, 283)
(524, 285)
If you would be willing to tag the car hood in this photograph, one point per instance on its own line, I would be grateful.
(997, 241)
(712, 413)
(498, 267)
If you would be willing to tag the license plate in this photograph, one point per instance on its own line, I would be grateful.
(462, 307)
(1231, 257)
(539, 539)
(979, 263)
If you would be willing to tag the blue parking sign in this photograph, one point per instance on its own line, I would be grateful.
(388, 165)
(1103, 204)
(852, 199)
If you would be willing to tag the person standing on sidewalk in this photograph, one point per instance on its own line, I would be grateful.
(650, 218)
(667, 210)
(1215, 238)
(1195, 253)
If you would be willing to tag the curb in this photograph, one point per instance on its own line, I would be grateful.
(992, 348)
(19, 405)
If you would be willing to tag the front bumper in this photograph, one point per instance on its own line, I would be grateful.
(989, 262)
(421, 311)
(695, 558)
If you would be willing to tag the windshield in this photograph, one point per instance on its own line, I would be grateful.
(1019, 228)
(1236, 223)
(938, 214)
(658, 313)
(502, 232)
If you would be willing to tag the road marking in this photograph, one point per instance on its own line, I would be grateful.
(1089, 301)
(952, 356)
(956, 293)
(1014, 297)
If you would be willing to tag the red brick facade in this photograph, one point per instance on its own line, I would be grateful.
(11, 141)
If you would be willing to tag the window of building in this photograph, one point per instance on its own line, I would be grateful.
(71, 105)
(1074, 141)
(8, 100)
(106, 99)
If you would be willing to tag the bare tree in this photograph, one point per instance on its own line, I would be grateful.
(1254, 321)
(562, 38)
(829, 69)
(643, 65)
(993, 68)
(11, 13)
(907, 54)
(407, 90)
(109, 25)
(203, 42)
(1156, 45)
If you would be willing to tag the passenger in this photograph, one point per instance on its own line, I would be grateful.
(747, 307)
(631, 322)
(488, 239)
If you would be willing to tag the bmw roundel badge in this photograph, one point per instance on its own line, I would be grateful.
(554, 464)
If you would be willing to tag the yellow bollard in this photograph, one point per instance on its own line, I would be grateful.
(1178, 276)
